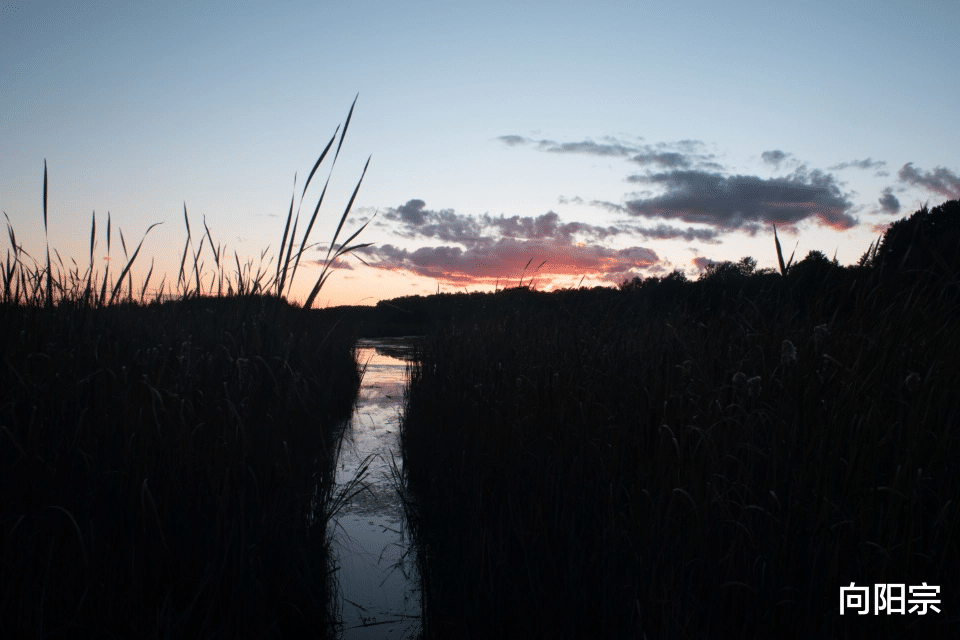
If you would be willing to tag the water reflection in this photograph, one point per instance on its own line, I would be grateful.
(377, 576)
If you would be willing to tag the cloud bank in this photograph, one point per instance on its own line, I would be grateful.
(683, 191)
(497, 248)
(869, 163)
(889, 203)
(744, 202)
(683, 154)
(940, 181)
(688, 183)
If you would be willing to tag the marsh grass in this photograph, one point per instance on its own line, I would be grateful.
(685, 473)
(167, 460)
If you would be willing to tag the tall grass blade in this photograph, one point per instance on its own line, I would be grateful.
(306, 234)
(196, 266)
(531, 284)
(776, 241)
(143, 290)
(181, 279)
(342, 252)
(93, 236)
(343, 218)
(13, 236)
(46, 235)
(126, 269)
(524, 271)
(103, 288)
(313, 218)
(345, 127)
(316, 210)
(783, 267)
(159, 295)
(318, 162)
(93, 240)
(239, 274)
(283, 242)
(216, 252)
(44, 195)
(327, 272)
(286, 261)
(346, 211)
(283, 265)
(216, 259)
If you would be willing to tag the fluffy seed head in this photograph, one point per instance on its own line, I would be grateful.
(820, 335)
(788, 353)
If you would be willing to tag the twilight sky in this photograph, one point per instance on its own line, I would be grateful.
(608, 139)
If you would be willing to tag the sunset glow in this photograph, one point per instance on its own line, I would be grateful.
(602, 142)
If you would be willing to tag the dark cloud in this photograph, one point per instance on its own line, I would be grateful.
(688, 184)
(673, 155)
(507, 257)
(702, 262)
(587, 147)
(418, 222)
(481, 249)
(682, 181)
(774, 157)
(444, 225)
(547, 226)
(411, 213)
(859, 164)
(339, 263)
(665, 159)
(744, 202)
(941, 181)
(512, 141)
(612, 207)
(613, 148)
(666, 232)
(889, 202)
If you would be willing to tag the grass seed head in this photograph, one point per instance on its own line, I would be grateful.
(820, 335)
(788, 353)
(912, 381)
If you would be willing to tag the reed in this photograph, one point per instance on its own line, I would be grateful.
(689, 472)
(167, 458)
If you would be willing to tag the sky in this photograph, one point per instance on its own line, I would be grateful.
(597, 141)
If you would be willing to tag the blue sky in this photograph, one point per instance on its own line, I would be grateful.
(609, 139)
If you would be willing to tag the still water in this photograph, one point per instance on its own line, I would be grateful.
(377, 576)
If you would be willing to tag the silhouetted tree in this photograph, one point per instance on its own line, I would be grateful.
(747, 265)
(929, 239)
(816, 265)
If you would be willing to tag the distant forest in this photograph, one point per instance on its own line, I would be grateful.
(919, 255)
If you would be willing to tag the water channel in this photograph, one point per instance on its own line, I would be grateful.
(377, 576)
